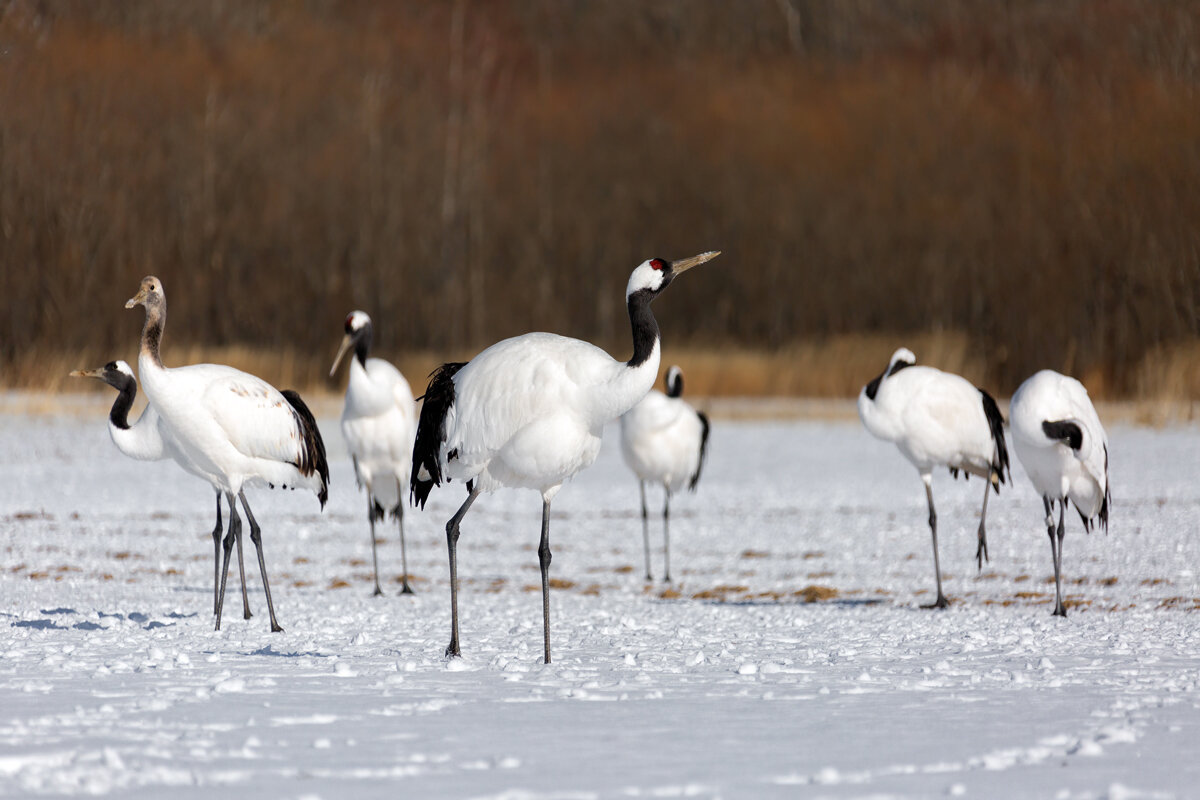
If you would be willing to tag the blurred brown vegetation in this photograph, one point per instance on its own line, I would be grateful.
(1018, 176)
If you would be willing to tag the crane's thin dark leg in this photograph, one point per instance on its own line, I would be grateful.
(941, 601)
(403, 554)
(216, 534)
(1060, 610)
(666, 535)
(1054, 547)
(235, 530)
(374, 549)
(242, 574)
(544, 560)
(981, 552)
(452, 548)
(256, 537)
(645, 529)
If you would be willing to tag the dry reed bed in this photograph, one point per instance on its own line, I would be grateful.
(805, 381)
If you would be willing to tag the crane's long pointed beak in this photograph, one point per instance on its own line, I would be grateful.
(85, 373)
(342, 350)
(137, 299)
(684, 264)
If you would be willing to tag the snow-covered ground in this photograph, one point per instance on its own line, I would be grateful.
(790, 657)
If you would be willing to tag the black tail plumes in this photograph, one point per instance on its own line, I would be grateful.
(1102, 517)
(1107, 494)
(703, 450)
(312, 457)
(996, 423)
(431, 432)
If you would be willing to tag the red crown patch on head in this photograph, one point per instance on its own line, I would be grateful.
(657, 263)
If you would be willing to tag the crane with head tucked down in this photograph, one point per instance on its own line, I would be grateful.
(1063, 447)
(528, 412)
(235, 428)
(938, 419)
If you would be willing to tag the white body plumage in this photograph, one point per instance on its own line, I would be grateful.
(935, 418)
(379, 422)
(1057, 471)
(529, 411)
(661, 440)
(236, 428)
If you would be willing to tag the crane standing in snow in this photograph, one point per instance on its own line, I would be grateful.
(1062, 446)
(528, 412)
(379, 423)
(236, 429)
(663, 440)
(938, 419)
(144, 440)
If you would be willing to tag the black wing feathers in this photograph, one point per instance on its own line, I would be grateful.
(703, 450)
(431, 431)
(312, 456)
(996, 424)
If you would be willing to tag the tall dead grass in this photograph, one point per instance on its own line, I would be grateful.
(468, 170)
(1168, 378)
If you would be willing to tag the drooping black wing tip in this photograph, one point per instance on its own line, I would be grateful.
(704, 428)
(431, 431)
(1107, 493)
(312, 459)
(1000, 466)
(419, 492)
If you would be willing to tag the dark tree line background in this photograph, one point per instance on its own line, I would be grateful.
(1025, 174)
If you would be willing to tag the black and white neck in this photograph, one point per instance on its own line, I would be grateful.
(900, 359)
(646, 336)
(674, 382)
(126, 386)
(362, 343)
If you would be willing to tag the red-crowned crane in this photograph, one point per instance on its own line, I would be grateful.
(144, 440)
(1064, 450)
(236, 429)
(379, 423)
(938, 419)
(663, 440)
(528, 412)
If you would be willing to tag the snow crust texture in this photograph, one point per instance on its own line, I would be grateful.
(789, 658)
